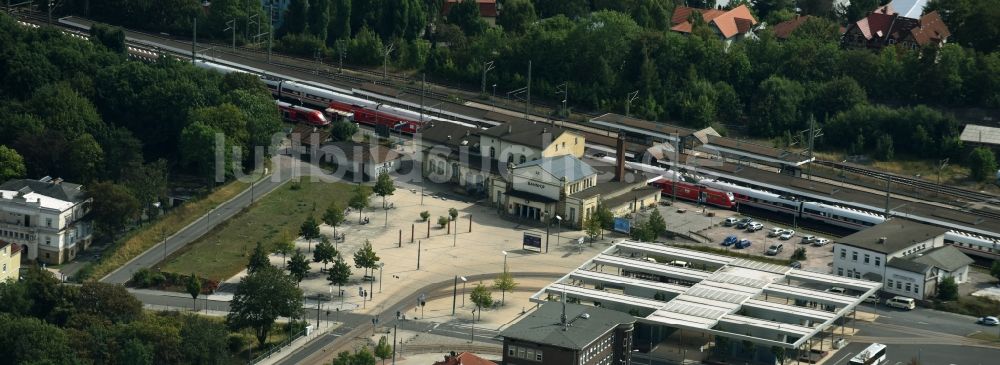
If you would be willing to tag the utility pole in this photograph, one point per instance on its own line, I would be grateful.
(385, 61)
(319, 60)
(270, 32)
(888, 182)
(486, 68)
(813, 133)
(629, 99)
(527, 100)
(231, 25)
(941, 165)
(342, 50)
(423, 83)
(564, 89)
(194, 41)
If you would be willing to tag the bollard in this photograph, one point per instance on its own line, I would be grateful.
(470, 223)
(400, 238)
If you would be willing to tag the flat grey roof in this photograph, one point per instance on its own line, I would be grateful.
(706, 299)
(756, 151)
(899, 233)
(644, 127)
(980, 134)
(544, 325)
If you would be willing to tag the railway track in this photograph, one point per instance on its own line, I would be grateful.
(971, 196)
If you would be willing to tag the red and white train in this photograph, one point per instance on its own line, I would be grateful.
(696, 192)
(299, 114)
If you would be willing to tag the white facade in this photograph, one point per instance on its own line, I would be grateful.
(855, 262)
(48, 229)
(907, 283)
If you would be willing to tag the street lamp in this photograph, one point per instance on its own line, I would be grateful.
(380, 266)
(464, 280)
(548, 227)
(493, 100)
(558, 228)
(503, 292)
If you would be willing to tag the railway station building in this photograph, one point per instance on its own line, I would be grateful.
(910, 258)
(693, 305)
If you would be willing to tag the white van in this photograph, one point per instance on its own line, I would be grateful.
(680, 263)
(901, 303)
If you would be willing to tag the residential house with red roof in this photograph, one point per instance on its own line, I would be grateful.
(729, 25)
(885, 27)
(488, 9)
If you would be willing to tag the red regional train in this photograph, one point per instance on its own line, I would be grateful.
(364, 111)
(296, 114)
(696, 192)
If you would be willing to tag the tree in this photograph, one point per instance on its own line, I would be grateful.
(970, 22)
(857, 9)
(481, 297)
(324, 252)
(982, 164)
(424, 215)
(309, 229)
(995, 270)
(147, 182)
(284, 246)
(203, 341)
(453, 213)
(799, 254)
(361, 357)
(260, 299)
(883, 148)
(339, 274)
(383, 350)
(641, 232)
(193, 286)
(113, 206)
(343, 130)
(384, 186)
(137, 352)
(319, 18)
(296, 18)
(258, 259)
(298, 267)
(366, 257)
(25, 340)
(504, 283)
(85, 158)
(655, 224)
(776, 106)
(11, 164)
(109, 36)
(360, 199)
(334, 216)
(592, 225)
(340, 26)
(517, 15)
(443, 221)
(465, 15)
(764, 8)
(197, 146)
(109, 301)
(948, 289)
(603, 215)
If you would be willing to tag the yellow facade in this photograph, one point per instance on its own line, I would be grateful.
(10, 262)
(567, 143)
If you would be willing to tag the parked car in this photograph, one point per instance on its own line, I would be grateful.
(775, 232)
(787, 235)
(901, 303)
(873, 299)
(837, 290)
(807, 239)
(730, 240)
(743, 243)
(988, 321)
(820, 242)
(775, 249)
(731, 221)
(795, 265)
(743, 222)
(754, 227)
(600, 155)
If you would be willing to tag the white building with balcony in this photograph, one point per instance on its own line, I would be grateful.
(45, 218)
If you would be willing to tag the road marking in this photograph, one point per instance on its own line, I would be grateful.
(973, 333)
(435, 326)
(841, 359)
(919, 322)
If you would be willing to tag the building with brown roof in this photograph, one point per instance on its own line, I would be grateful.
(465, 358)
(729, 25)
(489, 10)
(885, 27)
(784, 29)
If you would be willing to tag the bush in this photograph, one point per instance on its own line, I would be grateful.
(948, 289)
(424, 216)
(236, 343)
(142, 278)
(442, 221)
(799, 254)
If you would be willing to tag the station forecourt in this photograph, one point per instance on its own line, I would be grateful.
(712, 306)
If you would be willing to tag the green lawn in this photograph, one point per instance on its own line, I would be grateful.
(223, 252)
(140, 240)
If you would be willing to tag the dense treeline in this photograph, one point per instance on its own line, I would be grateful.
(605, 50)
(45, 322)
(82, 111)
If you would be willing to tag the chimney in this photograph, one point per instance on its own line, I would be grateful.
(57, 181)
(881, 240)
(620, 158)
(562, 318)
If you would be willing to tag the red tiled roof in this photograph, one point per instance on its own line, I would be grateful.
(931, 29)
(784, 29)
(729, 23)
(465, 358)
(487, 8)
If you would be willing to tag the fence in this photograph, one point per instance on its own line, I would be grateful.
(281, 345)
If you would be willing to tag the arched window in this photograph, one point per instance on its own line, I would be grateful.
(510, 157)
(522, 158)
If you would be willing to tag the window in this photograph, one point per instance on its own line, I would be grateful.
(48, 240)
(564, 144)
(510, 157)
(916, 288)
(531, 354)
(878, 261)
(857, 275)
(854, 255)
(890, 283)
(4, 267)
(907, 286)
(521, 351)
(511, 351)
(538, 356)
(522, 159)
(840, 271)
(576, 140)
(493, 152)
(843, 253)
(899, 285)
(867, 257)
(48, 222)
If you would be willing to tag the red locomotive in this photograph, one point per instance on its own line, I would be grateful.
(296, 114)
(696, 192)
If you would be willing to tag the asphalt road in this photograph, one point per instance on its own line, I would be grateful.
(202, 225)
(925, 354)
